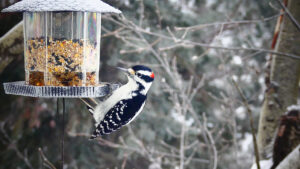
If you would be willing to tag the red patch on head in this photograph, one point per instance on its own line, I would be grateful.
(152, 75)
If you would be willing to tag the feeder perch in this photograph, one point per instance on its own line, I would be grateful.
(61, 48)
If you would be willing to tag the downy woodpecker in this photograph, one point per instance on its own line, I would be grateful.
(124, 104)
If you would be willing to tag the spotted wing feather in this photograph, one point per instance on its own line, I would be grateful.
(120, 114)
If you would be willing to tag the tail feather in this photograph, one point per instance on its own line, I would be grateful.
(95, 134)
(91, 110)
(93, 137)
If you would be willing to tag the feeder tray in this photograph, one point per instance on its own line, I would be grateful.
(20, 88)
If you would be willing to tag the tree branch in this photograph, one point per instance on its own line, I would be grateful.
(288, 13)
(251, 122)
(45, 159)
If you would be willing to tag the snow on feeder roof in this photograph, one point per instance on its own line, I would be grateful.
(61, 5)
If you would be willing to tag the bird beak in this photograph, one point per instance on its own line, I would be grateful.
(129, 71)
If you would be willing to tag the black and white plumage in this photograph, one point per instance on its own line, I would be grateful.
(124, 104)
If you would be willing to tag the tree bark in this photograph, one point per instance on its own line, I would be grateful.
(11, 46)
(285, 73)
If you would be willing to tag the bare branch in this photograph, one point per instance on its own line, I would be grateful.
(46, 162)
(288, 13)
(201, 26)
(251, 122)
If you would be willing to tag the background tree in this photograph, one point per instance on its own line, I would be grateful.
(283, 89)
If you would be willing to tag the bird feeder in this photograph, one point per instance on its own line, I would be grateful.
(61, 48)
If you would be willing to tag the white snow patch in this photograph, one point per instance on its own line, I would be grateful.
(293, 107)
(212, 52)
(126, 2)
(237, 60)
(218, 113)
(267, 35)
(234, 77)
(217, 83)
(241, 112)
(263, 164)
(246, 78)
(181, 119)
(209, 3)
(252, 63)
(189, 122)
(261, 97)
(186, 10)
(191, 4)
(244, 45)
(261, 80)
(226, 40)
(194, 58)
(210, 125)
(246, 143)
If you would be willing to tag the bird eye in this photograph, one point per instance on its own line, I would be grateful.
(138, 74)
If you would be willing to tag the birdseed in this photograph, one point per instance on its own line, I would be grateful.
(61, 62)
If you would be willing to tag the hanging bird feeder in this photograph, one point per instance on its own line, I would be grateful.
(61, 48)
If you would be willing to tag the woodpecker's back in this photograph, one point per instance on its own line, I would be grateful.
(125, 103)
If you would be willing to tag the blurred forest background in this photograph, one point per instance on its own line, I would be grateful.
(194, 116)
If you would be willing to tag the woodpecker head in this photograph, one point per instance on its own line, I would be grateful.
(141, 75)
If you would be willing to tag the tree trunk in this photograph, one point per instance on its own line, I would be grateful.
(11, 46)
(285, 73)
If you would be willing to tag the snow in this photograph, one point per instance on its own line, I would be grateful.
(194, 57)
(235, 78)
(246, 143)
(219, 83)
(210, 3)
(261, 80)
(181, 119)
(241, 112)
(247, 78)
(263, 164)
(227, 40)
(237, 60)
(261, 97)
(61, 5)
(294, 107)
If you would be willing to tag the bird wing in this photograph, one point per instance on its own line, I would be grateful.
(120, 114)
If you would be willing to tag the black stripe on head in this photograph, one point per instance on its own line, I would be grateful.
(146, 78)
(141, 67)
(141, 87)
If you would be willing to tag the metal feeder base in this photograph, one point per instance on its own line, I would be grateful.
(20, 88)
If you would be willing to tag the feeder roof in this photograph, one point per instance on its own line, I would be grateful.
(61, 5)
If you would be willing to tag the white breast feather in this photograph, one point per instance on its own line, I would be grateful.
(122, 93)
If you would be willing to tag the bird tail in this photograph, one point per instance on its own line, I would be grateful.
(93, 137)
(95, 134)
(90, 102)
